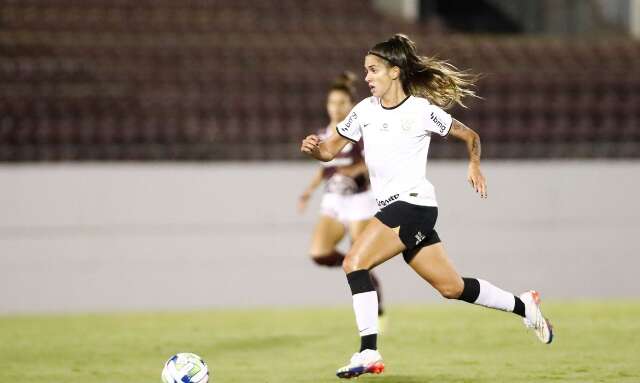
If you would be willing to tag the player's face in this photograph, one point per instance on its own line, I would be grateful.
(338, 105)
(378, 75)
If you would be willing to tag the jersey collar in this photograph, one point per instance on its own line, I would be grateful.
(394, 107)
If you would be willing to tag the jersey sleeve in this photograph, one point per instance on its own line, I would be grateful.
(350, 127)
(438, 121)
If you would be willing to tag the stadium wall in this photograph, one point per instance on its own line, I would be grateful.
(103, 237)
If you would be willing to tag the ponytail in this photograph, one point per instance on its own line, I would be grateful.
(436, 80)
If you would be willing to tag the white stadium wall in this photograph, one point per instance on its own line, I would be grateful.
(102, 237)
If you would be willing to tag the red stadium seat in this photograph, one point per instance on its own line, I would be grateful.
(124, 77)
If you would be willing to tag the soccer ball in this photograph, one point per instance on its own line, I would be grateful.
(185, 367)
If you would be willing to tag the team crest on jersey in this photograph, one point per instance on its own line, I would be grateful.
(385, 127)
(407, 124)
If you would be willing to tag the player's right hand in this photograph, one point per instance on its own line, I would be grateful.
(311, 145)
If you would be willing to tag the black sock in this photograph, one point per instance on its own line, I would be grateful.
(471, 290)
(519, 308)
(360, 282)
(369, 342)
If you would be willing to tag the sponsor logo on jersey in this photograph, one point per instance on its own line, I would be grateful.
(387, 201)
(352, 117)
(438, 123)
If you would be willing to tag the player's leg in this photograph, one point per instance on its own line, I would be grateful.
(326, 235)
(376, 244)
(434, 266)
(355, 229)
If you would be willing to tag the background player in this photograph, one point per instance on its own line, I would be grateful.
(347, 201)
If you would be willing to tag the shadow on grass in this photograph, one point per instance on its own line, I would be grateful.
(404, 379)
(273, 342)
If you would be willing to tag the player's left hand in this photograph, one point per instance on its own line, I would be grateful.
(302, 201)
(477, 180)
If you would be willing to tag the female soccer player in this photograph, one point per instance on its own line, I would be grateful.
(409, 93)
(347, 202)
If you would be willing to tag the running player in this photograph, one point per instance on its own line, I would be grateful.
(409, 93)
(347, 202)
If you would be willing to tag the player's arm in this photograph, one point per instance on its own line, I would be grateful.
(323, 150)
(313, 185)
(354, 170)
(315, 182)
(472, 139)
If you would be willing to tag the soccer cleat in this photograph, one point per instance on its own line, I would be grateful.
(364, 362)
(534, 318)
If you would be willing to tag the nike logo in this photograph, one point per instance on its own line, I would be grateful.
(365, 125)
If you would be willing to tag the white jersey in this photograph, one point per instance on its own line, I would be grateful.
(396, 144)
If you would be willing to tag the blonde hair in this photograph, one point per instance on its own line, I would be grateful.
(436, 80)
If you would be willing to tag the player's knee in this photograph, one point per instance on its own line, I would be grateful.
(450, 290)
(351, 263)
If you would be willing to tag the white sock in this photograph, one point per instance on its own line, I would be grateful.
(365, 306)
(495, 297)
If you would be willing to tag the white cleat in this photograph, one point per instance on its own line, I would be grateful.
(364, 362)
(534, 318)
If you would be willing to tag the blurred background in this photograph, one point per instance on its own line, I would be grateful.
(150, 149)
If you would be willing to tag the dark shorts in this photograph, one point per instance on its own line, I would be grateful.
(416, 225)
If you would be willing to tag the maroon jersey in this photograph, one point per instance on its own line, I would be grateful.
(351, 154)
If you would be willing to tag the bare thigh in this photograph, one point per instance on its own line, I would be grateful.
(435, 267)
(357, 227)
(376, 244)
(326, 235)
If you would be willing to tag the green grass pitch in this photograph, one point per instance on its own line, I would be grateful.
(448, 342)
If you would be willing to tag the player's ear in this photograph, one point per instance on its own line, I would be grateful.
(394, 71)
